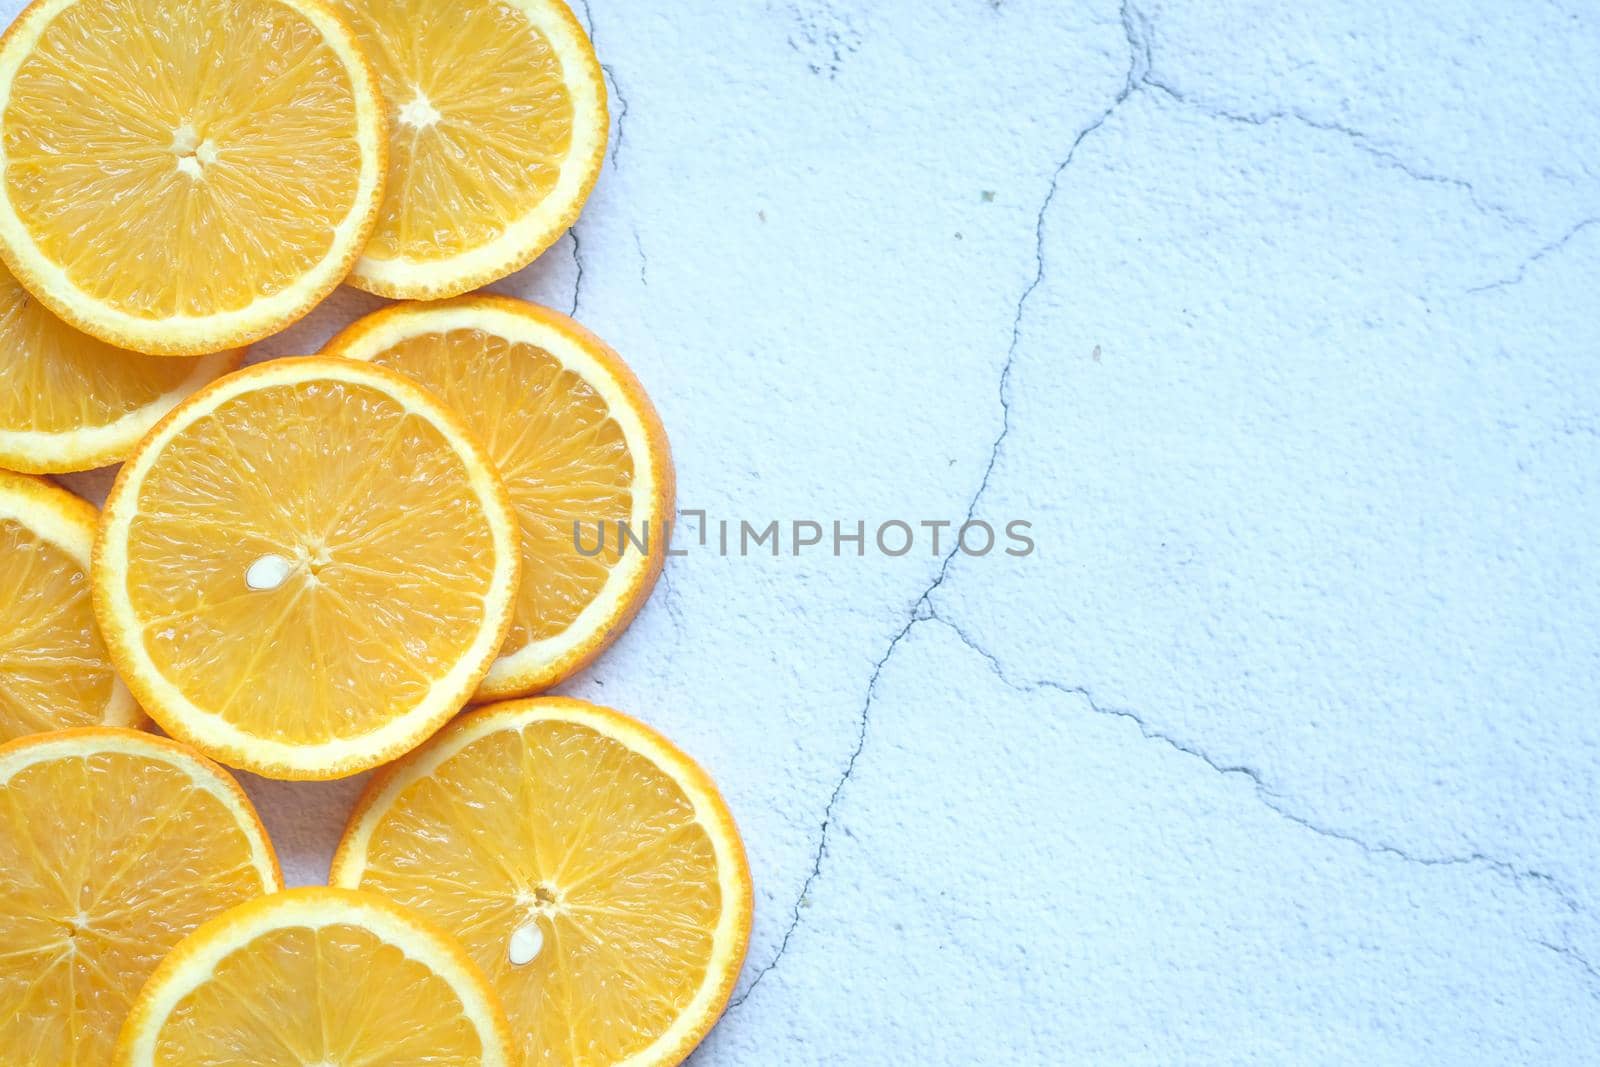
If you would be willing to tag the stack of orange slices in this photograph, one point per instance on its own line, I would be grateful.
(308, 567)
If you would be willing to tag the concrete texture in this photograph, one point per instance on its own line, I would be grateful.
(1278, 322)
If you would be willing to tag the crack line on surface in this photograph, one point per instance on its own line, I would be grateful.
(1517, 875)
(1549, 249)
(577, 261)
(863, 724)
(669, 599)
(622, 111)
(1363, 141)
(610, 74)
(1138, 32)
(922, 607)
(1133, 27)
(1570, 953)
(1258, 781)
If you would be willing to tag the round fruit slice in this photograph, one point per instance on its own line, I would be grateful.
(114, 846)
(498, 130)
(185, 176)
(54, 668)
(581, 450)
(70, 402)
(591, 869)
(306, 568)
(315, 977)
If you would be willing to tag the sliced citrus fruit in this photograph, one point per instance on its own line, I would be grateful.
(185, 177)
(68, 401)
(114, 846)
(316, 978)
(306, 568)
(498, 129)
(591, 869)
(581, 450)
(54, 668)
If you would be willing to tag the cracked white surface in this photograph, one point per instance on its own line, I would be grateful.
(1280, 325)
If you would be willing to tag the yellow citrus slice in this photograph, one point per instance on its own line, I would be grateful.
(306, 568)
(114, 846)
(54, 668)
(316, 978)
(498, 128)
(186, 176)
(68, 401)
(580, 448)
(590, 868)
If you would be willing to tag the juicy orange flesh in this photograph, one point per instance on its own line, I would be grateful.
(562, 827)
(58, 380)
(480, 121)
(54, 672)
(561, 454)
(336, 994)
(107, 861)
(390, 558)
(200, 164)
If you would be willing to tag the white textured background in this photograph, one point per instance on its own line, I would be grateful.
(1280, 322)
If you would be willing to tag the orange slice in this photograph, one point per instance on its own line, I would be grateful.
(114, 845)
(68, 401)
(54, 668)
(591, 869)
(581, 450)
(185, 176)
(499, 124)
(306, 568)
(314, 978)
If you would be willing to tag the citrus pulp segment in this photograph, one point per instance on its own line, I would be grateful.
(186, 176)
(306, 568)
(499, 122)
(580, 448)
(55, 671)
(69, 401)
(314, 977)
(591, 869)
(114, 846)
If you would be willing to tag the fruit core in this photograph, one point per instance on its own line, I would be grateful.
(527, 940)
(420, 112)
(194, 154)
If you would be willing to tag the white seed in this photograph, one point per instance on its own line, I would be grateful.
(525, 944)
(268, 572)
